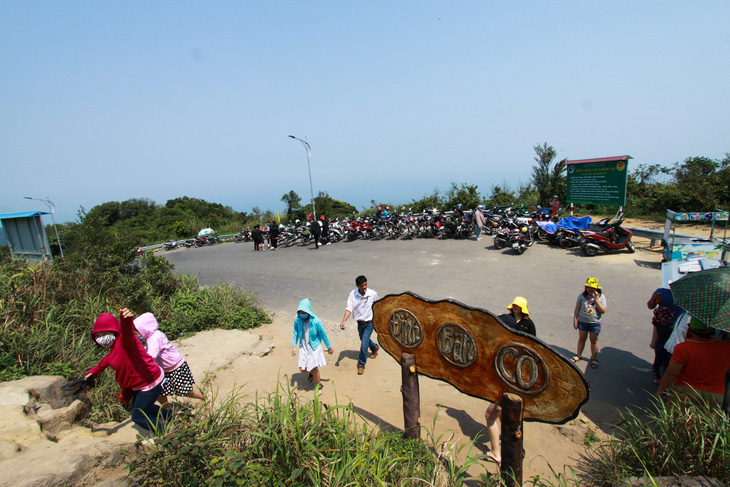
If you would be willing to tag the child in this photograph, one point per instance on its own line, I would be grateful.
(179, 380)
(136, 372)
(309, 335)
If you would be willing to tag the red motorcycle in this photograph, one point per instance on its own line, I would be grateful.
(614, 237)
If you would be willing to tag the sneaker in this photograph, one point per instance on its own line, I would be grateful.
(479, 239)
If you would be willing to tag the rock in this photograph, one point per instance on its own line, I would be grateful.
(55, 420)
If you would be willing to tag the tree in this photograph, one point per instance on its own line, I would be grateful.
(548, 181)
(293, 202)
(465, 195)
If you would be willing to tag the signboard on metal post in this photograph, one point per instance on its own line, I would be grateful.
(598, 181)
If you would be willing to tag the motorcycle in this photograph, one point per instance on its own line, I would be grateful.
(614, 237)
(171, 245)
(243, 236)
(521, 239)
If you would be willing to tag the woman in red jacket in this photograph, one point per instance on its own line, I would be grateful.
(137, 373)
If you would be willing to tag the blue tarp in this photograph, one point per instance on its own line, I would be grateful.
(569, 222)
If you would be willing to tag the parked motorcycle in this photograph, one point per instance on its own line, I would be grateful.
(171, 245)
(614, 237)
(521, 239)
(243, 236)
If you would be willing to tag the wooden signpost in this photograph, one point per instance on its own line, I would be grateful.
(475, 352)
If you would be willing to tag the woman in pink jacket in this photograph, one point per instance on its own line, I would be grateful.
(179, 380)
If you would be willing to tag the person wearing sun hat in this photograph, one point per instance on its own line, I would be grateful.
(698, 366)
(518, 318)
(589, 308)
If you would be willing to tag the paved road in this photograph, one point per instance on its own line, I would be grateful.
(471, 272)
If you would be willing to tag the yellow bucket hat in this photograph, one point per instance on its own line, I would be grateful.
(522, 303)
(592, 282)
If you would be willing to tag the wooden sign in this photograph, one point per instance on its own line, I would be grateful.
(475, 352)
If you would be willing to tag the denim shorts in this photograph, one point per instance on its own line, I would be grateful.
(590, 327)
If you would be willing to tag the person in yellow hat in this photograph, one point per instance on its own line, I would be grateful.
(589, 308)
(518, 318)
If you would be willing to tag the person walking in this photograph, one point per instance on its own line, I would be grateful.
(325, 229)
(480, 221)
(274, 235)
(316, 232)
(360, 307)
(308, 336)
(589, 308)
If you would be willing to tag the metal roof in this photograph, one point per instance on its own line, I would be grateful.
(27, 214)
(601, 159)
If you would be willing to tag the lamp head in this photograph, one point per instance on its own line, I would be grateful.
(292, 137)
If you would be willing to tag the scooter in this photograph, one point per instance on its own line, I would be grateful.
(614, 237)
(521, 239)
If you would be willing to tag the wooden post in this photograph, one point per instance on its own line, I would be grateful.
(411, 396)
(512, 451)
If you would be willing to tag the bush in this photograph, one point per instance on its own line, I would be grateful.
(282, 440)
(681, 439)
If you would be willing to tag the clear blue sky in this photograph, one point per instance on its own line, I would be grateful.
(106, 101)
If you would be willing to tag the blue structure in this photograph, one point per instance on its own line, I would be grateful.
(26, 235)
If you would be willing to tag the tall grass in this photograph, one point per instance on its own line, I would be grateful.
(682, 438)
(281, 439)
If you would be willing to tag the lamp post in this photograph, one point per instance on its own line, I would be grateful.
(309, 167)
(51, 208)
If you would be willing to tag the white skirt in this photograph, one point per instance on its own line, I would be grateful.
(311, 359)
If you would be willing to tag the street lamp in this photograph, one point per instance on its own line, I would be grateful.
(51, 208)
(309, 167)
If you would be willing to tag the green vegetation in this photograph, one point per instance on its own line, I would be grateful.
(683, 438)
(47, 309)
(282, 440)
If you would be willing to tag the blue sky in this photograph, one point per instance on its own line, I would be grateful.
(106, 101)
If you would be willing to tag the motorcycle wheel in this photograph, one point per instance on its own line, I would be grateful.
(590, 251)
(306, 240)
(288, 242)
(565, 242)
(519, 249)
(630, 247)
(499, 243)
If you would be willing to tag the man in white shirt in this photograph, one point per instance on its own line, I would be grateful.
(360, 306)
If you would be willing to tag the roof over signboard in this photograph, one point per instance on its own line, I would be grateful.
(600, 159)
(26, 214)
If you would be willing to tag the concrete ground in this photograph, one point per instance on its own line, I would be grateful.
(474, 273)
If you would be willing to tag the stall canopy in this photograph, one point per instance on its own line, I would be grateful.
(26, 235)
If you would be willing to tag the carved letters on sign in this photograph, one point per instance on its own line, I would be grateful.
(405, 328)
(476, 353)
(456, 345)
(521, 368)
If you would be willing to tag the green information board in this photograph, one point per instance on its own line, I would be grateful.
(598, 181)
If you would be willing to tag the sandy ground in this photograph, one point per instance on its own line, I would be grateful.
(376, 394)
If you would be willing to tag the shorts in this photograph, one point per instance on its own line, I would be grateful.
(594, 328)
(178, 382)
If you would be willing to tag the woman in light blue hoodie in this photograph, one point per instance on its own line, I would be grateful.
(308, 336)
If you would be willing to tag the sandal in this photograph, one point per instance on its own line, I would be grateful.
(489, 456)
(594, 364)
(576, 358)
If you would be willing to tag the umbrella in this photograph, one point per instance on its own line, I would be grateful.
(706, 295)
(205, 231)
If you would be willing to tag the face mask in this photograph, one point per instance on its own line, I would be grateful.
(106, 340)
(304, 316)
